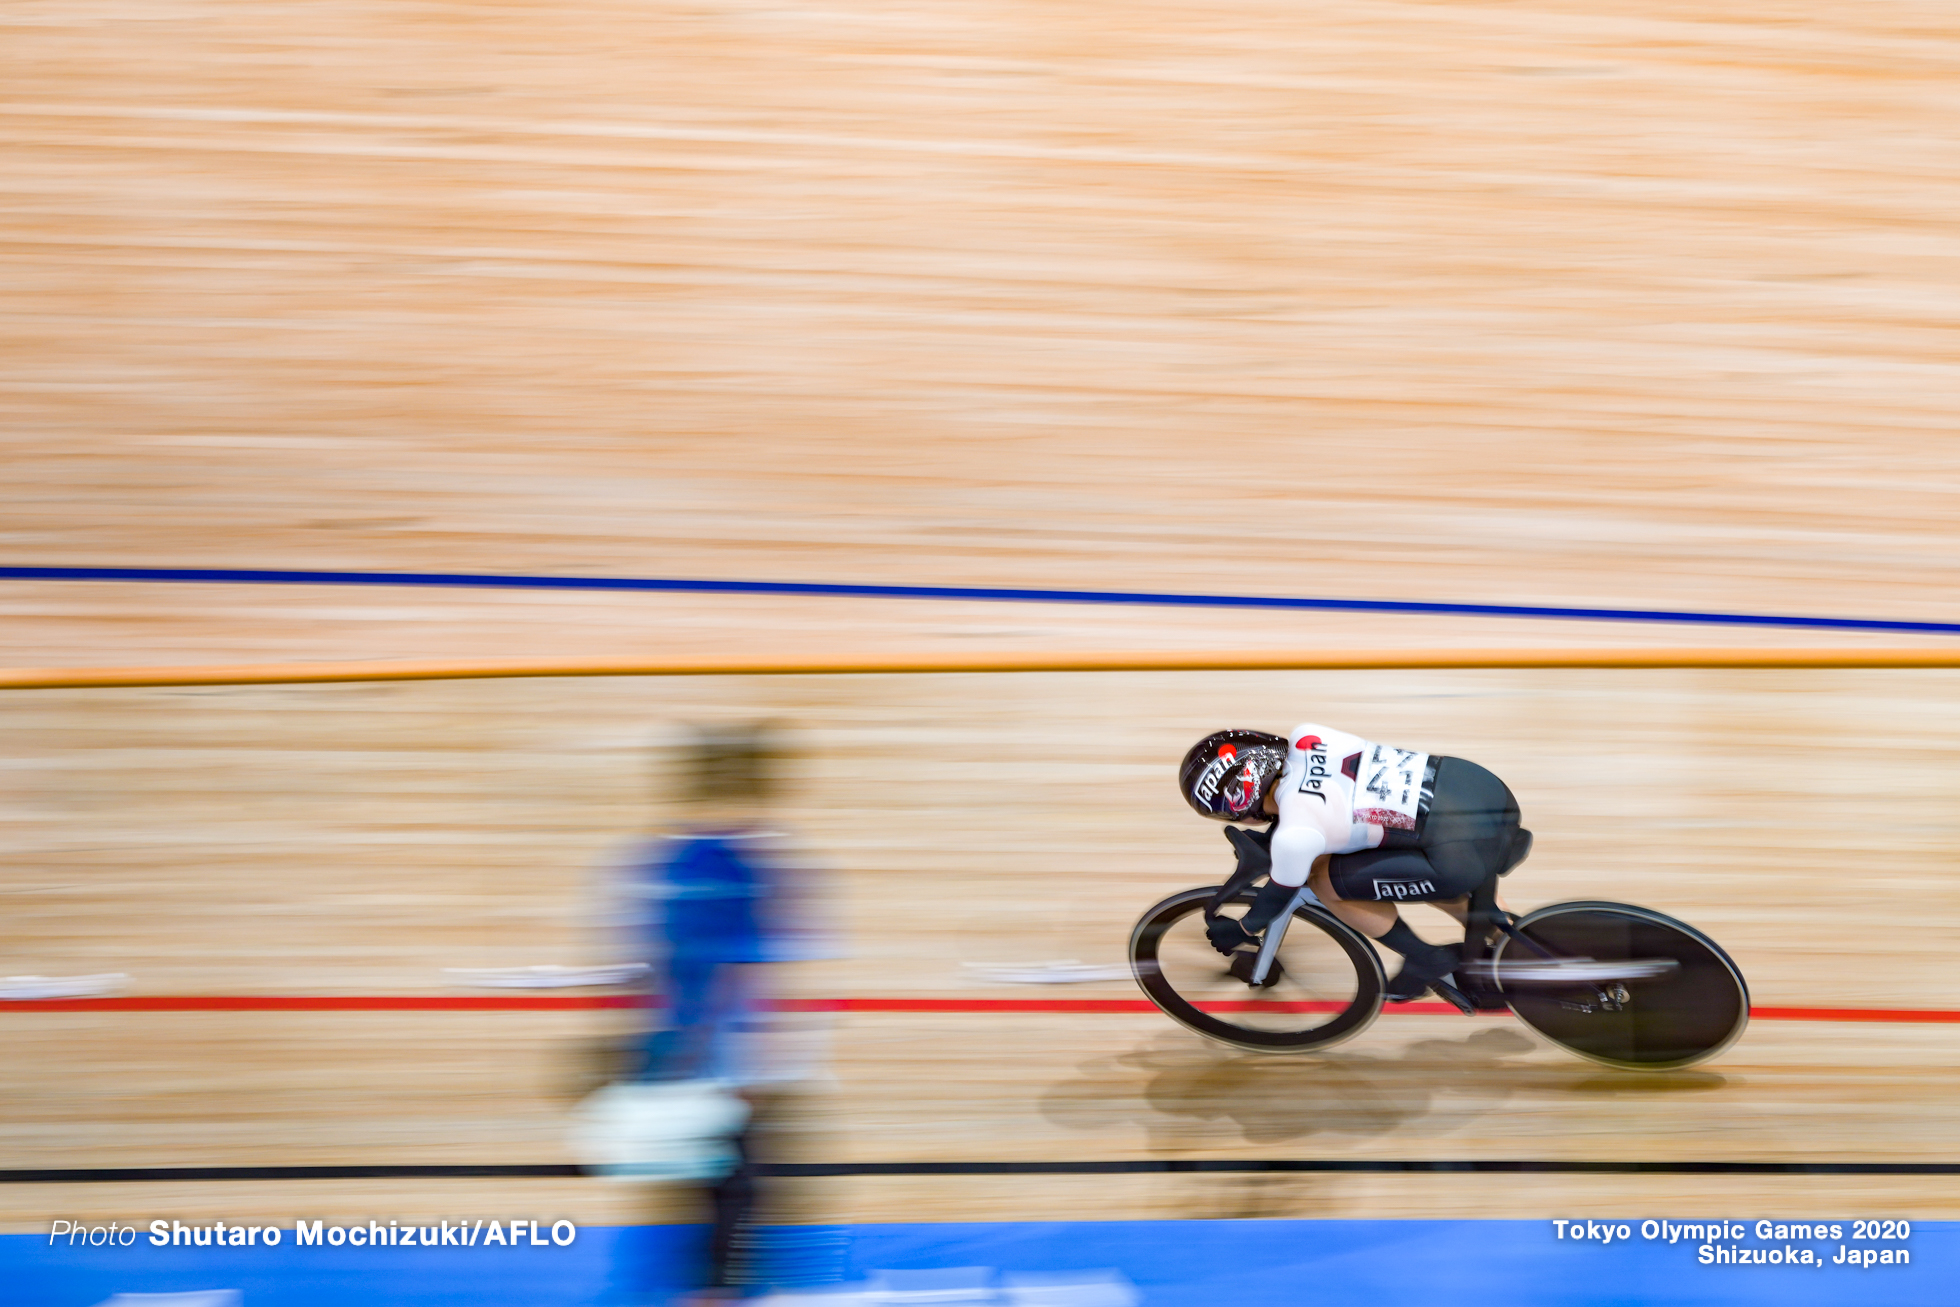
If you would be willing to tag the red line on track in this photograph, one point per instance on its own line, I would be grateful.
(330, 1003)
(1899, 1014)
(594, 1002)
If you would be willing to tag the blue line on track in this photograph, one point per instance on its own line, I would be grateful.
(671, 585)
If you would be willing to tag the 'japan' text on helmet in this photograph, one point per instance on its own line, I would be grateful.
(1225, 776)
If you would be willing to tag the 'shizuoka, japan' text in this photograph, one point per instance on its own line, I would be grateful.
(1766, 1243)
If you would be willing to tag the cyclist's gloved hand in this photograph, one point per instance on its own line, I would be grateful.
(1226, 935)
(1267, 904)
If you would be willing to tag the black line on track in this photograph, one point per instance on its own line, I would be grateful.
(125, 1174)
(809, 1170)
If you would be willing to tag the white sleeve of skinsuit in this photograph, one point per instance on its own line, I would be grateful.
(1315, 795)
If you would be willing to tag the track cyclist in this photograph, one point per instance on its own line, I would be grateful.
(1365, 826)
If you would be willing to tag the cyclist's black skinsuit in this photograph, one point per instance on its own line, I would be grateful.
(1466, 830)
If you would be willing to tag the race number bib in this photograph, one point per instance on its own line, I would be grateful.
(1388, 787)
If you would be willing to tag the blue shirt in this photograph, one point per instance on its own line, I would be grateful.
(710, 886)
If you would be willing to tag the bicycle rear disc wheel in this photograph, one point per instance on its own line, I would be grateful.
(1648, 1023)
(1329, 984)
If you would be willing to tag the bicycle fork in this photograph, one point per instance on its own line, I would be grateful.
(1269, 946)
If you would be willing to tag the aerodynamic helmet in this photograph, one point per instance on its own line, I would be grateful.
(1225, 776)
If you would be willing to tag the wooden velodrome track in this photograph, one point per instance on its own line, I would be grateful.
(1594, 304)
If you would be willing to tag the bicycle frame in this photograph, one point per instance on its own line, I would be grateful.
(1269, 947)
(1484, 913)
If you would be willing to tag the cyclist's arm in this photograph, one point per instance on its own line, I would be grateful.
(1314, 815)
(1295, 846)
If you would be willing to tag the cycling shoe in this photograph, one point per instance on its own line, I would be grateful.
(1420, 972)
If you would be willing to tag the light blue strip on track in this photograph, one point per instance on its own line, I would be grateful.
(249, 576)
(1172, 1264)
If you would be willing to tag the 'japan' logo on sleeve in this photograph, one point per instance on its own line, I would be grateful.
(1313, 766)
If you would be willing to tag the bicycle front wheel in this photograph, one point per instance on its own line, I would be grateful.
(1647, 1022)
(1326, 988)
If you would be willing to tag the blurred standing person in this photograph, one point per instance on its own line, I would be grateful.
(708, 885)
(714, 901)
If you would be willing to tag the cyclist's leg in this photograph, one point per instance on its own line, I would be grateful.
(1459, 908)
(1464, 861)
(1363, 888)
(1371, 918)
(1378, 879)
(1470, 830)
(1464, 836)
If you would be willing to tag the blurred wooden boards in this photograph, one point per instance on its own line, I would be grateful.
(1592, 304)
(1535, 302)
(360, 838)
(990, 1088)
(112, 624)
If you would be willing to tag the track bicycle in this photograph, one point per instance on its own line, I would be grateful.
(1612, 982)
